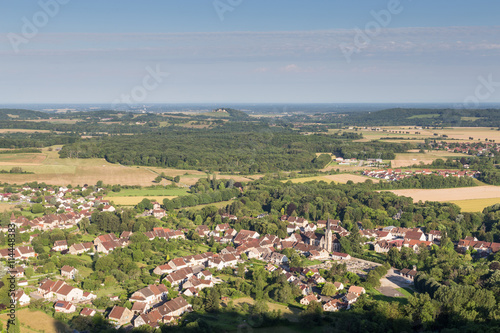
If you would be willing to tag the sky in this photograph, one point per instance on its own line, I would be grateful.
(249, 51)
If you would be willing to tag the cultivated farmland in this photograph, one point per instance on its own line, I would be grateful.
(451, 194)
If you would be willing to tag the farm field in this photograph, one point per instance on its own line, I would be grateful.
(475, 205)
(409, 159)
(37, 321)
(144, 192)
(452, 194)
(409, 132)
(12, 130)
(49, 168)
(134, 200)
(340, 178)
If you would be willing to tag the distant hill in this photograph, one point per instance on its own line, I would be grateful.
(426, 117)
(21, 114)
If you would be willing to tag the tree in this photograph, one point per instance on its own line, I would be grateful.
(37, 208)
(420, 309)
(328, 289)
(212, 301)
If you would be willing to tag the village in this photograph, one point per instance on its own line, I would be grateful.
(317, 241)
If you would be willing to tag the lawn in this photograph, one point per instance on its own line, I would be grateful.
(216, 204)
(378, 296)
(289, 313)
(406, 291)
(111, 290)
(375, 255)
(308, 262)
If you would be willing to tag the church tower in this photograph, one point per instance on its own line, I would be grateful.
(328, 237)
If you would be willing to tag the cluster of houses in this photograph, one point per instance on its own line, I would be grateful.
(165, 313)
(340, 301)
(398, 174)
(385, 238)
(75, 209)
(64, 295)
(18, 253)
(483, 148)
(482, 248)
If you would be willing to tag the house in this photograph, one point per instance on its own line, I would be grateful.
(308, 299)
(202, 230)
(108, 208)
(194, 282)
(163, 269)
(26, 252)
(415, 235)
(350, 298)
(338, 285)
(177, 263)
(81, 248)
(191, 292)
(139, 308)
(409, 273)
(87, 296)
(69, 272)
(317, 278)
(17, 272)
(21, 298)
(318, 255)
(159, 213)
(204, 275)
(222, 227)
(64, 307)
(270, 268)
(60, 245)
(333, 305)
(87, 312)
(120, 315)
(434, 235)
(356, 290)
(275, 258)
(151, 319)
(340, 256)
(59, 290)
(150, 295)
(175, 307)
(178, 277)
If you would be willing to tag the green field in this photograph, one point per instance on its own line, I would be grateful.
(420, 116)
(144, 192)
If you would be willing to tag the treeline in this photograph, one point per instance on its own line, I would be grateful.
(428, 182)
(417, 117)
(200, 198)
(38, 140)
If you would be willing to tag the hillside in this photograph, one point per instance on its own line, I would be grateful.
(13, 114)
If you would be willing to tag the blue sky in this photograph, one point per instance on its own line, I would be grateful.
(290, 51)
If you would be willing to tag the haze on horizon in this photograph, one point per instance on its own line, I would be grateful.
(243, 51)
